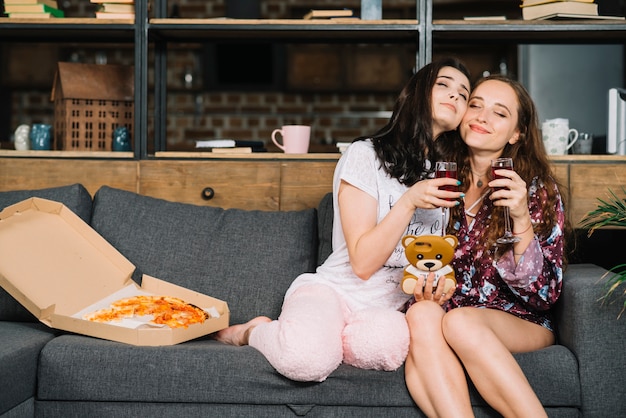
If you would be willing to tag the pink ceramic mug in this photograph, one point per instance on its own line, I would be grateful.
(295, 138)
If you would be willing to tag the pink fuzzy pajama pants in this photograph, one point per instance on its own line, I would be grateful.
(316, 332)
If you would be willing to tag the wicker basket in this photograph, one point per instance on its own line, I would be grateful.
(90, 102)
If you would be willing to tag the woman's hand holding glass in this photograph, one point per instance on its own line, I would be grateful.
(430, 194)
(510, 192)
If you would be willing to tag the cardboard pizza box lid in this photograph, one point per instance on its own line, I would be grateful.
(57, 266)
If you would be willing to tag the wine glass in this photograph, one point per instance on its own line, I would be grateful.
(504, 164)
(446, 169)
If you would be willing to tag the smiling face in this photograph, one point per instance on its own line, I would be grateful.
(449, 100)
(491, 119)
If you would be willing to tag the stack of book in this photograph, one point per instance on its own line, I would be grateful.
(32, 9)
(115, 9)
(226, 146)
(563, 9)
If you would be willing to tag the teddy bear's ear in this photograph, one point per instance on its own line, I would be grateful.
(452, 240)
(407, 240)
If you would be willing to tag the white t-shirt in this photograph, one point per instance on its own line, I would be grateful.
(360, 167)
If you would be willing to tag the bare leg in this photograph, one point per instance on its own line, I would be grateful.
(433, 373)
(240, 334)
(484, 340)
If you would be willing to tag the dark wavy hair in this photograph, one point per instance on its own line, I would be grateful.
(405, 143)
(529, 155)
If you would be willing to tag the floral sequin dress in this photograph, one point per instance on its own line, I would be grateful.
(527, 289)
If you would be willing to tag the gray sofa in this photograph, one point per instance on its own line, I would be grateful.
(248, 258)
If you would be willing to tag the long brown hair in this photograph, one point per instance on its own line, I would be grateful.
(531, 161)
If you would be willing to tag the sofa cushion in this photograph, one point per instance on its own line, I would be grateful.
(206, 371)
(76, 198)
(590, 327)
(246, 258)
(19, 357)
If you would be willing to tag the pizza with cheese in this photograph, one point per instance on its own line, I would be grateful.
(165, 310)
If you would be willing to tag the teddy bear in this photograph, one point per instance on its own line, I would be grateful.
(428, 253)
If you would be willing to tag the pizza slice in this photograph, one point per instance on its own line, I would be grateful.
(165, 310)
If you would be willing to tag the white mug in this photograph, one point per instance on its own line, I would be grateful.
(295, 138)
(557, 136)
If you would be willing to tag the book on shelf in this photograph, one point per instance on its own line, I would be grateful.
(327, 14)
(570, 16)
(230, 145)
(233, 150)
(544, 11)
(51, 3)
(32, 16)
(32, 8)
(526, 3)
(104, 15)
(117, 8)
(216, 143)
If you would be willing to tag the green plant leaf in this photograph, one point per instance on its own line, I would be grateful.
(610, 212)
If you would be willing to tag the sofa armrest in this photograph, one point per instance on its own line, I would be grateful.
(592, 331)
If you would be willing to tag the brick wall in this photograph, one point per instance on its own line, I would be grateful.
(333, 118)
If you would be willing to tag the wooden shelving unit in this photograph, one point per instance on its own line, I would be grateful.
(584, 174)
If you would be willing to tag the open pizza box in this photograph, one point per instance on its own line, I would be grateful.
(59, 268)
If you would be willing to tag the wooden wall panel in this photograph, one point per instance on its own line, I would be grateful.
(236, 184)
(303, 183)
(263, 184)
(588, 182)
(36, 173)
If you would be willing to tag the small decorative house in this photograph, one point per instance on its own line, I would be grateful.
(90, 101)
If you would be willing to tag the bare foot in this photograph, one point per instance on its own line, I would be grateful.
(239, 334)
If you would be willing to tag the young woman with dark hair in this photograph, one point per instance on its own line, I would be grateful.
(349, 310)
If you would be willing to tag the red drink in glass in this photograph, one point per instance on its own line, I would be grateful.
(494, 176)
(500, 164)
(446, 169)
(447, 173)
